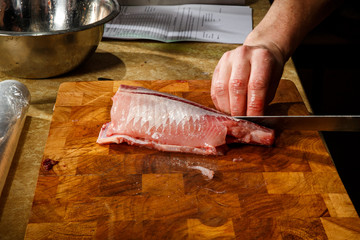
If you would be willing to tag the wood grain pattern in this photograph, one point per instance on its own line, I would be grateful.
(289, 191)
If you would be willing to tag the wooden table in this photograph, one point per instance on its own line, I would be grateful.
(142, 60)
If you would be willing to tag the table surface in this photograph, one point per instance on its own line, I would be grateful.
(120, 60)
(288, 191)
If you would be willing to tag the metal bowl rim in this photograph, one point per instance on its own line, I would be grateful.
(112, 15)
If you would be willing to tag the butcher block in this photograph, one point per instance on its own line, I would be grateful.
(288, 191)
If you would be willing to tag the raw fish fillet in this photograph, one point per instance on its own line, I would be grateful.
(144, 117)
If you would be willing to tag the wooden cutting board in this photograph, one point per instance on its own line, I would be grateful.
(289, 191)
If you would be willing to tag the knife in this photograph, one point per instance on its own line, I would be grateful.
(308, 122)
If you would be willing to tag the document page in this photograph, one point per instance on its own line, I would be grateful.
(189, 22)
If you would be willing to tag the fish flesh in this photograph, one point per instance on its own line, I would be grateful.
(165, 122)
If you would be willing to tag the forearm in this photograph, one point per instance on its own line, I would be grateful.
(287, 22)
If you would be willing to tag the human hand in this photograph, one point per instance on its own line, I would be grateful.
(245, 80)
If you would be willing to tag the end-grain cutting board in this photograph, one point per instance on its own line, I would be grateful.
(289, 191)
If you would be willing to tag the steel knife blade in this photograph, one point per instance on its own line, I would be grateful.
(308, 122)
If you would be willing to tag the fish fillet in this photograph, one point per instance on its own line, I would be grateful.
(165, 122)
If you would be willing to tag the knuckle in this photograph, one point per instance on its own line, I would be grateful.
(242, 51)
(266, 55)
(257, 84)
(236, 111)
(237, 105)
(226, 55)
(213, 97)
(238, 85)
(255, 107)
(263, 52)
(256, 104)
(219, 89)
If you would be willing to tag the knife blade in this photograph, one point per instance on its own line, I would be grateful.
(308, 122)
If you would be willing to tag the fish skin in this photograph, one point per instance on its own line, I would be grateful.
(152, 119)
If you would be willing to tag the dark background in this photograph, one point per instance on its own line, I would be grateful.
(328, 65)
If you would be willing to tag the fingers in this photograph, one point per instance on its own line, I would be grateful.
(260, 76)
(238, 87)
(220, 84)
(230, 81)
(214, 79)
(243, 79)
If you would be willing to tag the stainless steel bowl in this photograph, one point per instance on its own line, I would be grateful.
(46, 38)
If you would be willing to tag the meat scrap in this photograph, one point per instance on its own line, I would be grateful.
(165, 122)
(48, 164)
(204, 171)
